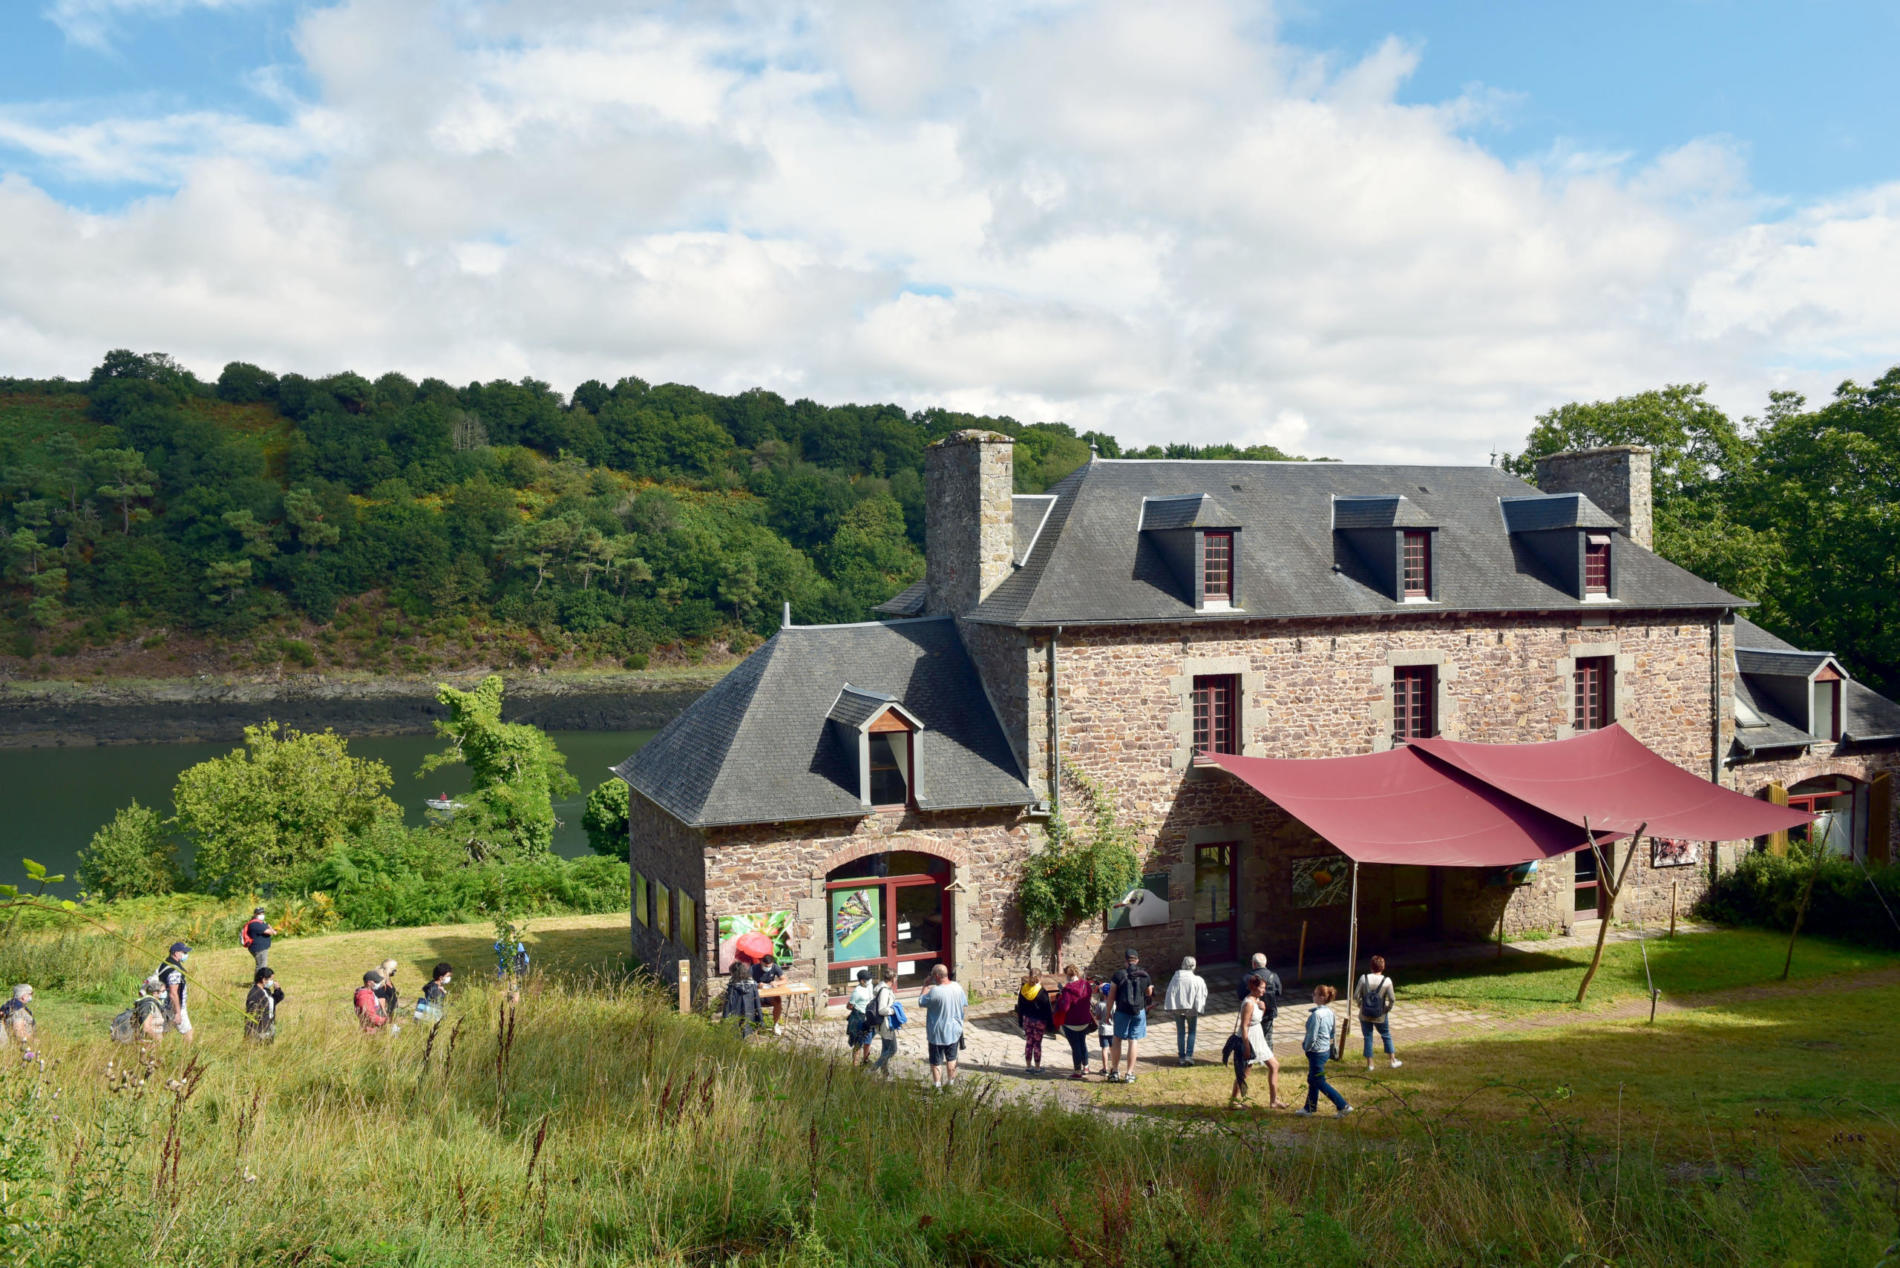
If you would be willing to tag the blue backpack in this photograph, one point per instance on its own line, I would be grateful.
(898, 1017)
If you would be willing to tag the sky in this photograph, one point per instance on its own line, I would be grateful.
(1377, 231)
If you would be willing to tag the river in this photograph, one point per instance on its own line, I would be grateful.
(56, 798)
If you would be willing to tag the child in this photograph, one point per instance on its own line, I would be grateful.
(1035, 1015)
(742, 998)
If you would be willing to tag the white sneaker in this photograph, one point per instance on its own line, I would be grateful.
(1396, 1063)
(777, 1029)
(1368, 1067)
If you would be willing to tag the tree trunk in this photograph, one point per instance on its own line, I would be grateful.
(1801, 913)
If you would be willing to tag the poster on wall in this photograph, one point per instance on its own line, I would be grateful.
(1322, 880)
(857, 931)
(775, 927)
(1669, 852)
(1144, 905)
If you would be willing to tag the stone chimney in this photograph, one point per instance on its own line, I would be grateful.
(969, 528)
(1615, 477)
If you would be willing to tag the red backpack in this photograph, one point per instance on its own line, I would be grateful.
(244, 934)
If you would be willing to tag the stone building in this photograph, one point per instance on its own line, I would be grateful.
(865, 794)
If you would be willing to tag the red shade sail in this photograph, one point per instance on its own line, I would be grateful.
(1402, 807)
(1610, 778)
(1445, 804)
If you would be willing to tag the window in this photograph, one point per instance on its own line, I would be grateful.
(1596, 563)
(890, 756)
(887, 911)
(1414, 695)
(1216, 713)
(1827, 705)
(1587, 895)
(1418, 565)
(689, 922)
(1217, 567)
(662, 910)
(1595, 692)
(640, 912)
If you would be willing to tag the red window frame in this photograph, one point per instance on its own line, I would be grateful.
(1832, 681)
(888, 956)
(1414, 702)
(1216, 713)
(1595, 692)
(1217, 566)
(1416, 564)
(1596, 567)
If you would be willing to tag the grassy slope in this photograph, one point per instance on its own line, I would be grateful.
(601, 1128)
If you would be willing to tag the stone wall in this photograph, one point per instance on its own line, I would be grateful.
(1324, 690)
(667, 852)
(773, 867)
(1616, 478)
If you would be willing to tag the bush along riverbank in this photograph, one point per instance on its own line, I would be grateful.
(134, 711)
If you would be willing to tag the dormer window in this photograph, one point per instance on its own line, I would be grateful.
(1418, 564)
(879, 738)
(890, 762)
(1217, 568)
(1825, 715)
(1596, 563)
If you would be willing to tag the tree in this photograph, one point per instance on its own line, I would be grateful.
(306, 517)
(131, 857)
(606, 818)
(1078, 873)
(515, 773)
(125, 479)
(262, 812)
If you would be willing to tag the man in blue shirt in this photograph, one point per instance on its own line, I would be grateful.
(944, 1002)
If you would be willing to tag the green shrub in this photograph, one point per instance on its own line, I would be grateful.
(131, 857)
(606, 818)
(1765, 891)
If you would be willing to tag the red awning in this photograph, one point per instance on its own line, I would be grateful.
(1610, 778)
(1402, 807)
(1447, 804)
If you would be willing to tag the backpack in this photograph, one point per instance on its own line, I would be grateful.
(244, 934)
(898, 1016)
(1132, 995)
(1372, 1004)
(123, 1029)
(872, 1017)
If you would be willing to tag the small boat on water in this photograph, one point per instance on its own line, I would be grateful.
(445, 803)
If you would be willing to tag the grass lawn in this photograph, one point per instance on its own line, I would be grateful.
(1540, 981)
(1809, 1075)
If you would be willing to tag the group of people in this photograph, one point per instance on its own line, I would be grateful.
(1115, 1012)
(377, 1003)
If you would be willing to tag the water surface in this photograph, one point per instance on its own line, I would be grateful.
(54, 799)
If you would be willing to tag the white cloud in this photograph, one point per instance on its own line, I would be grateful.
(1160, 221)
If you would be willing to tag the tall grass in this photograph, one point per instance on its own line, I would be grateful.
(587, 1124)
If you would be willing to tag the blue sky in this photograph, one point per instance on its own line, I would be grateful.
(1374, 230)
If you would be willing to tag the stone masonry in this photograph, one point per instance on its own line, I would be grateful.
(968, 517)
(1616, 478)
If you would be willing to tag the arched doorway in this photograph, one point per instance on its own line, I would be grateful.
(1839, 806)
(887, 910)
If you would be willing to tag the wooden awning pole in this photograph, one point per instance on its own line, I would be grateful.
(1352, 962)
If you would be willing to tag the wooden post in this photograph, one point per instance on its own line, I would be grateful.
(1299, 974)
(1352, 963)
(1507, 903)
(1673, 886)
(1608, 910)
(1801, 912)
(686, 986)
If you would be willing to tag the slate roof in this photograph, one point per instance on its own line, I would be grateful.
(1029, 511)
(855, 706)
(1866, 715)
(1194, 510)
(756, 747)
(906, 602)
(1093, 565)
(1554, 510)
(1379, 512)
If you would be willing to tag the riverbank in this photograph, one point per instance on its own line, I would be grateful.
(56, 714)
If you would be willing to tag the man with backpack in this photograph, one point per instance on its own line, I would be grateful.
(256, 935)
(1374, 996)
(260, 1006)
(16, 1021)
(1131, 992)
(171, 979)
(143, 1021)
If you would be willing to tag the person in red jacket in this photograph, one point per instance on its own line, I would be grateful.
(369, 1003)
(1070, 1011)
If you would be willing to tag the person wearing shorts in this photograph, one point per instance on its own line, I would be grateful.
(1133, 993)
(944, 1002)
(171, 977)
